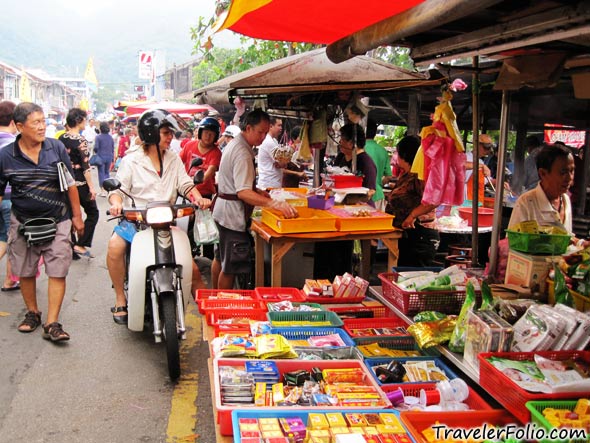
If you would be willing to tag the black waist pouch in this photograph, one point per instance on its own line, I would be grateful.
(38, 231)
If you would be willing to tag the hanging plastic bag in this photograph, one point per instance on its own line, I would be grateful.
(205, 229)
(304, 149)
(318, 132)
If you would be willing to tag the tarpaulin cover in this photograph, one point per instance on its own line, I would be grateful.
(311, 21)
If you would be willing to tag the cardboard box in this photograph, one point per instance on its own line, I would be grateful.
(529, 271)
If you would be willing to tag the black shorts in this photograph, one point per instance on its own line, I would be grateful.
(234, 251)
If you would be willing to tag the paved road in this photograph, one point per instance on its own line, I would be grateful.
(107, 384)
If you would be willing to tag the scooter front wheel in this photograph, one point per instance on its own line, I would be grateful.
(168, 314)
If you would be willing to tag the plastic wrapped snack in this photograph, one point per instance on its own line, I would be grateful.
(433, 333)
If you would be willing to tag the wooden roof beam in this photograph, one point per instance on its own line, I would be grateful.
(420, 18)
(546, 25)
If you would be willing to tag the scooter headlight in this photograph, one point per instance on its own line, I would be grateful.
(159, 215)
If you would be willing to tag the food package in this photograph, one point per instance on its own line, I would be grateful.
(568, 323)
(580, 336)
(513, 310)
(486, 332)
(457, 341)
(433, 333)
(535, 331)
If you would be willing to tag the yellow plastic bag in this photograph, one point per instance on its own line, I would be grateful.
(304, 149)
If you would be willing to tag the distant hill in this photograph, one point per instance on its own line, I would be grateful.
(63, 50)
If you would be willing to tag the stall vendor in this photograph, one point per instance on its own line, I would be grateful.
(549, 202)
(364, 162)
(420, 241)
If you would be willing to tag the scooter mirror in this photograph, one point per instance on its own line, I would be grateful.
(199, 177)
(110, 184)
(197, 161)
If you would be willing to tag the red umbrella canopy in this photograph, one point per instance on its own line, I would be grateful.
(177, 107)
(311, 21)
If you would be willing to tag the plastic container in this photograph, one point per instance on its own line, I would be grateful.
(296, 306)
(297, 319)
(536, 409)
(215, 316)
(405, 342)
(232, 328)
(240, 294)
(333, 300)
(270, 294)
(301, 413)
(309, 220)
(320, 202)
(347, 181)
(473, 400)
(224, 412)
(306, 333)
(373, 362)
(412, 302)
(346, 312)
(417, 422)
(541, 244)
(485, 216)
(581, 302)
(512, 396)
(347, 221)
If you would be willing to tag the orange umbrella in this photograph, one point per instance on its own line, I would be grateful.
(312, 21)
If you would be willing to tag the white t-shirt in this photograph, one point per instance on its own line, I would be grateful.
(269, 175)
(534, 205)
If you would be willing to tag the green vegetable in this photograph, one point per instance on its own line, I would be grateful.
(487, 299)
(457, 342)
(435, 287)
(562, 292)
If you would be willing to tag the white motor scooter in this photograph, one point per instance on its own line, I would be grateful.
(159, 272)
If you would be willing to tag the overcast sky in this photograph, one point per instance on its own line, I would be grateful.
(70, 28)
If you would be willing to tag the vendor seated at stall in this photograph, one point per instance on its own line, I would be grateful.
(549, 202)
(364, 163)
(420, 241)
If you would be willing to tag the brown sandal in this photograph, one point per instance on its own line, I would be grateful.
(31, 322)
(54, 332)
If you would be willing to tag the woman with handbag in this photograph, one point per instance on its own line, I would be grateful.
(104, 147)
(77, 148)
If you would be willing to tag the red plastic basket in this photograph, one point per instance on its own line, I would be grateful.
(361, 311)
(205, 294)
(279, 294)
(474, 401)
(333, 300)
(214, 316)
(353, 327)
(412, 302)
(232, 328)
(416, 422)
(512, 396)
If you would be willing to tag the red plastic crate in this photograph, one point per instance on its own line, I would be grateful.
(224, 412)
(361, 311)
(474, 401)
(272, 295)
(346, 181)
(416, 422)
(231, 328)
(205, 294)
(214, 316)
(412, 302)
(333, 300)
(211, 304)
(512, 396)
(397, 341)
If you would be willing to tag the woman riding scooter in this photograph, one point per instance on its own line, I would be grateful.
(147, 173)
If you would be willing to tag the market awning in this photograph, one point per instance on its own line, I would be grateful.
(311, 21)
(178, 107)
(311, 72)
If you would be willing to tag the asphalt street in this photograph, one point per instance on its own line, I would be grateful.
(107, 384)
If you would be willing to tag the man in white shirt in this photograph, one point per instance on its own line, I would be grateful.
(270, 172)
(90, 133)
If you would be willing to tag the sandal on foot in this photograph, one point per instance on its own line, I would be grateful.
(119, 319)
(31, 322)
(54, 332)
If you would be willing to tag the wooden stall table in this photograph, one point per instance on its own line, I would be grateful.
(282, 243)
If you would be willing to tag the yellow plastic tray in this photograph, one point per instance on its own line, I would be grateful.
(309, 220)
(377, 221)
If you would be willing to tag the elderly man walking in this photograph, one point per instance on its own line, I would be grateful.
(45, 204)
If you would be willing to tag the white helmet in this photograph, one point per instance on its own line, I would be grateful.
(232, 131)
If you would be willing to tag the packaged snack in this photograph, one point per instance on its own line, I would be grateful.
(534, 331)
(457, 341)
(581, 335)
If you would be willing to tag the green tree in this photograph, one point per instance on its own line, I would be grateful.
(104, 97)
